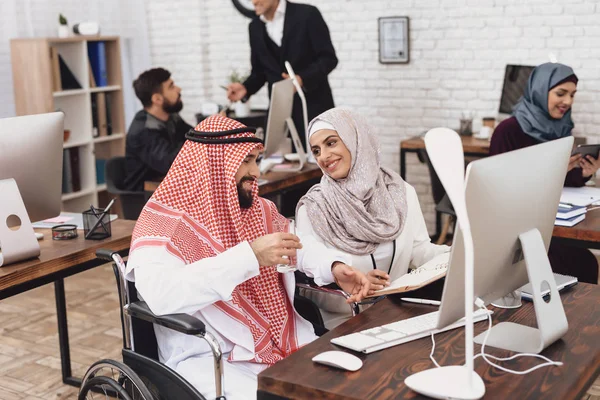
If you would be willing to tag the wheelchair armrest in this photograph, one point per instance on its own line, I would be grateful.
(105, 254)
(183, 323)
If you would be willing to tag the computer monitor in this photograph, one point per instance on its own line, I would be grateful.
(507, 196)
(31, 150)
(515, 81)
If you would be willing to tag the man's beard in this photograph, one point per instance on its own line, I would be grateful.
(244, 196)
(171, 108)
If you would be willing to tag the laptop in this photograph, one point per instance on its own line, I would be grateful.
(563, 282)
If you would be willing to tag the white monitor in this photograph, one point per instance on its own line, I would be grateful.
(279, 122)
(31, 151)
(507, 196)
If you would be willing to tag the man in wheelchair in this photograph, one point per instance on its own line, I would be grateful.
(205, 244)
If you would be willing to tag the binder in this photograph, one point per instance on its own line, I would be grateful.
(55, 64)
(101, 109)
(109, 129)
(75, 169)
(97, 57)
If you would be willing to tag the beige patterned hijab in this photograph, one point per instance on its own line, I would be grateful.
(368, 207)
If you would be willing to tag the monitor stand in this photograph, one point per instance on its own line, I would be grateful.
(550, 315)
(17, 243)
(300, 154)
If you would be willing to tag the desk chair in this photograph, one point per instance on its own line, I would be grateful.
(443, 205)
(132, 202)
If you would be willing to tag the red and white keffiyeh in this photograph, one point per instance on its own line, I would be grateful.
(195, 213)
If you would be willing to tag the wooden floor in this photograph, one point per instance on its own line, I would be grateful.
(29, 354)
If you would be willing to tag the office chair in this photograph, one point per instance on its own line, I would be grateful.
(443, 205)
(132, 202)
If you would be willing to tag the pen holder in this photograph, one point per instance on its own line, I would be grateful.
(96, 224)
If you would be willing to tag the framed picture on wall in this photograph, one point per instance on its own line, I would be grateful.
(393, 40)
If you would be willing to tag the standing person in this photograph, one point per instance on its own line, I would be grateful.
(286, 31)
(205, 244)
(362, 212)
(544, 114)
(157, 132)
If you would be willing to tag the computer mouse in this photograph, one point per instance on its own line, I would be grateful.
(339, 359)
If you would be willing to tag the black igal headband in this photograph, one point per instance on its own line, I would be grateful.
(211, 137)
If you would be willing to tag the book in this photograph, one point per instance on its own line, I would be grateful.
(91, 75)
(97, 57)
(566, 211)
(95, 132)
(67, 78)
(427, 273)
(570, 221)
(101, 113)
(75, 169)
(563, 282)
(109, 129)
(67, 182)
(54, 62)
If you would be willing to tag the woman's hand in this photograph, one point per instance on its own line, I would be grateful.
(574, 161)
(589, 165)
(352, 281)
(379, 280)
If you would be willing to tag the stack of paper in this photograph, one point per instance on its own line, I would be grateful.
(569, 214)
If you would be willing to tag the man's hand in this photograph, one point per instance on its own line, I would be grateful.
(298, 78)
(270, 249)
(236, 91)
(574, 161)
(589, 165)
(379, 280)
(352, 281)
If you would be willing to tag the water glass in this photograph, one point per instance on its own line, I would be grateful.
(291, 267)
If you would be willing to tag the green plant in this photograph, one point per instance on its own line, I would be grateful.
(237, 77)
(62, 19)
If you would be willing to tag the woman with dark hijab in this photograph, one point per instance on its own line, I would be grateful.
(544, 114)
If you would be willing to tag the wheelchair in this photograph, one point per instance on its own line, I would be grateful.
(141, 376)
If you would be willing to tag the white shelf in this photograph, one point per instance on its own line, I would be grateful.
(76, 143)
(105, 89)
(108, 138)
(74, 195)
(101, 187)
(70, 92)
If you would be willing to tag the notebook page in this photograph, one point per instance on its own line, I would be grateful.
(434, 267)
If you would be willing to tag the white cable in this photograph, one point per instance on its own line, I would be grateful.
(548, 362)
(482, 354)
(432, 350)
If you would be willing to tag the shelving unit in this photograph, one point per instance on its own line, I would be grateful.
(34, 94)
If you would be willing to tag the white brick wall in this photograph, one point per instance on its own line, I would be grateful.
(459, 49)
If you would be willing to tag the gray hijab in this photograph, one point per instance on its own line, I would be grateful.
(368, 207)
(532, 110)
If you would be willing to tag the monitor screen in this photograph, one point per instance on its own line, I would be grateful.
(515, 81)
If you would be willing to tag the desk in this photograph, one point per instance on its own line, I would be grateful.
(472, 148)
(275, 181)
(584, 234)
(383, 373)
(58, 260)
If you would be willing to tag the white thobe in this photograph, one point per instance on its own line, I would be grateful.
(413, 249)
(169, 286)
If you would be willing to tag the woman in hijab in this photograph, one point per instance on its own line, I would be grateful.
(363, 212)
(544, 114)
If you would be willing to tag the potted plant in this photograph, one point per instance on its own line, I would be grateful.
(63, 26)
(241, 109)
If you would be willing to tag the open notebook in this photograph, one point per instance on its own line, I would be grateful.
(429, 272)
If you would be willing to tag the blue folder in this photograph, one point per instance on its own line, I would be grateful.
(97, 56)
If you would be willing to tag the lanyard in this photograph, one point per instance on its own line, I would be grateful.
(391, 262)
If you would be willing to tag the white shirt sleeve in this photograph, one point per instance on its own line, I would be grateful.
(169, 286)
(315, 258)
(423, 249)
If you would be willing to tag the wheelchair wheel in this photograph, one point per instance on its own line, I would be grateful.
(111, 379)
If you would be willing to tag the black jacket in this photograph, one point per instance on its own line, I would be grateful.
(151, 148)
(306, 44)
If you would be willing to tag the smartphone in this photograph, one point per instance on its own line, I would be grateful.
(587, 150)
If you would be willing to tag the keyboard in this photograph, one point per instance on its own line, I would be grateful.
(407, 330)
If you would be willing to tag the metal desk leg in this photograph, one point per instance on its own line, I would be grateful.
(403, 164)
(63, 334)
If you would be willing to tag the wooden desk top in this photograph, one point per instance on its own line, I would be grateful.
(58, 255)
(587, 230)
(470, 145)
(383, 373)
(276, 180)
